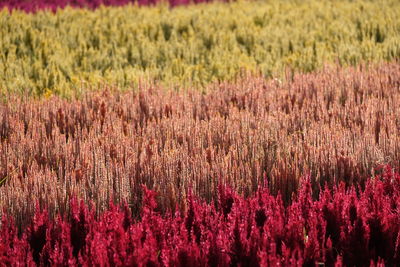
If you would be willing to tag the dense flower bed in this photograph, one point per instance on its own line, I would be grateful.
(337, 124)
(55, 53)
(350, 226)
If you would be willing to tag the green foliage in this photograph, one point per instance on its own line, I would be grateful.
(47, 53)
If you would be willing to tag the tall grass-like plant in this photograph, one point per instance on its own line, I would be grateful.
(58, 53)
(334, 125)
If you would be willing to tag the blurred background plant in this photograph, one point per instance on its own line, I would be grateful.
(65, 51)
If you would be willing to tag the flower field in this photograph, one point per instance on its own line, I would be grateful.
(343, 228)
(249, 133)
(60, 53)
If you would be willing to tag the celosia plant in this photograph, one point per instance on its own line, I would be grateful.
(338, 125)
(45, 52)
(35, 5)
(343, 226)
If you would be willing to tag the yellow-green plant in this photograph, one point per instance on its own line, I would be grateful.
(59, 53)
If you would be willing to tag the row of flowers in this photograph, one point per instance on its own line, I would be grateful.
(35, 5)
(343, 226)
